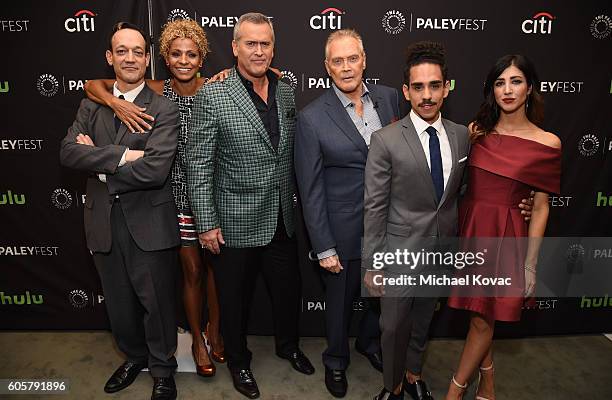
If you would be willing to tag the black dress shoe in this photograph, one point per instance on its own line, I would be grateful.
(387, 395)
(335, 381)
(299, 362)
(245, 383)
(374, 358)
(123, 376)
(164, 389)
(418, 390)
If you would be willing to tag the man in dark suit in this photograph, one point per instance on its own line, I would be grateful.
(130, 217)
(413, 178)
(241, 186)
(331, 148)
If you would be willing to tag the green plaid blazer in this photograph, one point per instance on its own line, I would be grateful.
(235, 178)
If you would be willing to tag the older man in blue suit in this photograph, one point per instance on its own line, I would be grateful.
(331, 148)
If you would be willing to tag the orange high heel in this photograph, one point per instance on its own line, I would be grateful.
(204, 370)
(217, 356)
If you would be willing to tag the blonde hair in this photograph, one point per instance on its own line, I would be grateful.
(183, 28)
(342, 33)
(254, 18)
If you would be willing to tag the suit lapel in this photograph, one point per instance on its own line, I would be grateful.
(281, 119)
(340, 117)
(142, 100)
(241, 97)
(452, 139)
(384, 113)
(108, 119)
(411, 136)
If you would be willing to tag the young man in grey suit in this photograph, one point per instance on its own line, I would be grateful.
(331, 148)
(241, 186)
(130, 217)
(413, 177)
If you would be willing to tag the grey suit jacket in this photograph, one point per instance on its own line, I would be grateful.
(400, 200)
(143, 186)
(330, 158)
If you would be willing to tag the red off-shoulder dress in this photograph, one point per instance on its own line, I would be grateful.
(503, 169)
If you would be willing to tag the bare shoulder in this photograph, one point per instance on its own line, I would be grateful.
(156, 85)
(548, 138)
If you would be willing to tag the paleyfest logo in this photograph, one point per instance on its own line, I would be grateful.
(588, 145)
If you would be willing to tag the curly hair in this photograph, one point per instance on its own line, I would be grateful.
(425, 52)
(183, 28)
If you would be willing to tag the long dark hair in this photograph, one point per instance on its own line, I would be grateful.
(488, 115)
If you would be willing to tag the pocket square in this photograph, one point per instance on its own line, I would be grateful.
(462, 160)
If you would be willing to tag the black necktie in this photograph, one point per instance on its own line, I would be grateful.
(435, 158)
(117, 120)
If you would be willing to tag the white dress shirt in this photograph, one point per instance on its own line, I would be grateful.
(445, 150)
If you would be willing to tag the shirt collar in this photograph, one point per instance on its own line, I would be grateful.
(129, 95)
(343, 97)
(420, 125)
(272, 79)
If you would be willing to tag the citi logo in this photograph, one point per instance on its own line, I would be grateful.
(4, 87)
(541, 23)
(330, 18)
(21, 299)
(10, 198)
(83, 21)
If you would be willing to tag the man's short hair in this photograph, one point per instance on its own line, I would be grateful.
(342, 33)
(254, 18)
(425, 52)
(127, 25)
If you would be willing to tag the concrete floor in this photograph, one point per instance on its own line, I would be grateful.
(551, 368)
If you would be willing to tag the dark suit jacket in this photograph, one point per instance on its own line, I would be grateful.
(143, 186)
(330, 159)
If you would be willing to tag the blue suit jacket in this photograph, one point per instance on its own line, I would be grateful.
(330, 158)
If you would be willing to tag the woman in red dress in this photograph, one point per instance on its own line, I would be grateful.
(510, 156)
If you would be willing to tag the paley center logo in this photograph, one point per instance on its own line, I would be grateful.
(393, 22)
(289, 78)
(588, 145)
(177, 13)
(541, 23)
(61, 198)
(47, 85)
(329, 18)
(82, 21)
(601, 27)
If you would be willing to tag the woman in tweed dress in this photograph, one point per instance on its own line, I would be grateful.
(183, 46)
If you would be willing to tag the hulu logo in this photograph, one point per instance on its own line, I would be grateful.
(10, 198)
(595, 302)
(452, 85)
(4, 87)
(603, 200)
(20, 299)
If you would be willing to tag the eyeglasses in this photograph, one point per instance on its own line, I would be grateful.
(339, 61)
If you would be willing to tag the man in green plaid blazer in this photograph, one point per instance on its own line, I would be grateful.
(241, 189)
